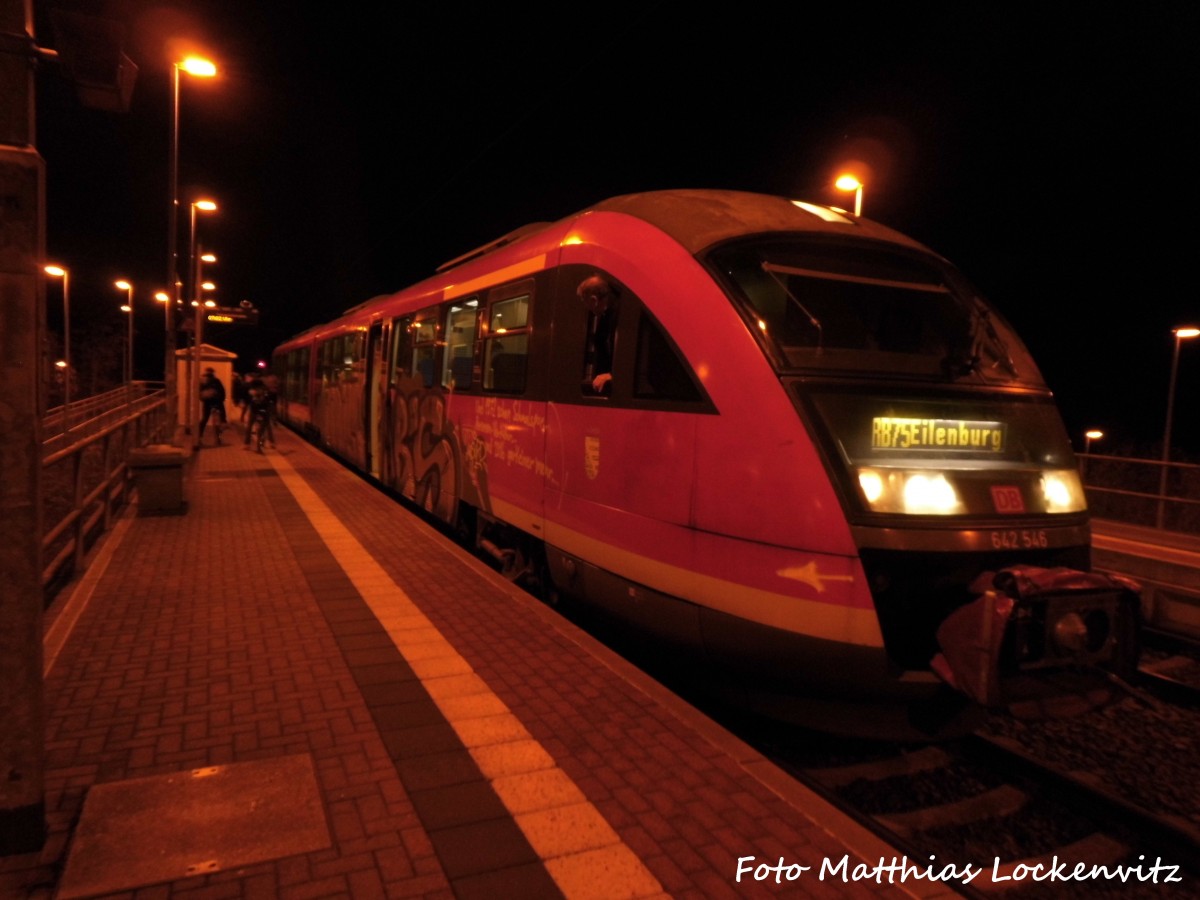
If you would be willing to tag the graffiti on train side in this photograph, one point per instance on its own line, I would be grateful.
(436, 461)
(426, 450)
(341, 419)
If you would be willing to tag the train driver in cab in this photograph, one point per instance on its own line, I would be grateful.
(600, 298)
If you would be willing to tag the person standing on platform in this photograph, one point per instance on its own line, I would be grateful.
(258, 403)
(238, 384)
(245, 388)
(271, 380)
(212, 403)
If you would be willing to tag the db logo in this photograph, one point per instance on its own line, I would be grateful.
(1007, 499)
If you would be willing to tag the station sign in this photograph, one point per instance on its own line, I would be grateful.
(227, 315)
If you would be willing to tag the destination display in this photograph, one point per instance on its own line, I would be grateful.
(225, 315)
(893, 433)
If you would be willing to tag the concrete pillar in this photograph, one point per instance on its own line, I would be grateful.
(22, 324)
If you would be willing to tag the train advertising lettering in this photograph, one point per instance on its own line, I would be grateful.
(1007, 499)
(893, 433)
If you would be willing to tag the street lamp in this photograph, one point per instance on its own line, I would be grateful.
(201, 68)
(1093, 434)
(198, 321)
(127, 308)
(1181, 334)
(65, 363)
(850, 183)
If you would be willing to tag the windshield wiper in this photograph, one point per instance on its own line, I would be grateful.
(774, 271)
(985, 337)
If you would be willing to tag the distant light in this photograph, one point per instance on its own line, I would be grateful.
(56, 271)
(206, 205)
(123, 285)
(262, 364)
(210, 303)
(207, 286)
(62, 363)
(125, 307)
(847, 183)
(162, 297)
(208, 257)
(1187, 332)
(1094, 435)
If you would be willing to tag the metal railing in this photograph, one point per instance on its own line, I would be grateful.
(85, 470)
(1126, 489)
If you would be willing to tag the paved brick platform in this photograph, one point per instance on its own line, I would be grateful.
(296, 689)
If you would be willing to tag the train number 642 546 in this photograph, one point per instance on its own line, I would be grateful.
(1022, 539)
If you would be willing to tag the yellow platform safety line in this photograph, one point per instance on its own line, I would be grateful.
(584, 855)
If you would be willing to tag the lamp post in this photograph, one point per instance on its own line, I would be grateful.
(1181, 334)
(1092, 434)
(127, 308)
(201, 68)
(65, 275)
(850, 183)
(193, 411)
(165, 299)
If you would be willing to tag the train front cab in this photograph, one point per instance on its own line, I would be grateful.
(949, 458)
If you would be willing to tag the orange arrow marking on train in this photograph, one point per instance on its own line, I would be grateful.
(810, 576)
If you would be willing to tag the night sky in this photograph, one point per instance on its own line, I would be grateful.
(1051, 155)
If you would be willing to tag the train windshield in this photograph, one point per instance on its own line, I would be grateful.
(869, 308)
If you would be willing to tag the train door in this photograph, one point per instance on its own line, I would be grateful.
(376, 395)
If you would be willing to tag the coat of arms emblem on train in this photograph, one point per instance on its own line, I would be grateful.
(591, 455)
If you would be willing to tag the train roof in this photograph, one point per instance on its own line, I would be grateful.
(697, 219)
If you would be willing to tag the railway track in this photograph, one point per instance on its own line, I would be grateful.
(1170, 668)
(982, 805)
(1100, 804)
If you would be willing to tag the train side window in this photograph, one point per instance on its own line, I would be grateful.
(459, 359)
(353, 353)
(402, 332)
(424, 338)
(660, 373)
(328, 369)
(600, 297)
(295, 382)
(506, 345)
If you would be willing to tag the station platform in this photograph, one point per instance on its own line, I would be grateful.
(298, 689)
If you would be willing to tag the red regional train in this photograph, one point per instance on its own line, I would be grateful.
(785, 440)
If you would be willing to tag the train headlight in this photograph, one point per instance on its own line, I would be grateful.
(1063, 491)
(872, 485)
(921, 492)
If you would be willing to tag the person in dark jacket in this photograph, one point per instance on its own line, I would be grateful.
(260, 404)
(600, 298)
(238, 384)
(212, 403)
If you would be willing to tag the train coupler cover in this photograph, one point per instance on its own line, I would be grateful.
(1028, 618)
